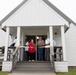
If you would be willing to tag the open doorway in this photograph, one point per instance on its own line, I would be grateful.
(25, 53)
(35, 38)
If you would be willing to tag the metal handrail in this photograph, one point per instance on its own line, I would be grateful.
(59, 53)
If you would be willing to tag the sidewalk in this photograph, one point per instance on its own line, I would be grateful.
(32, 73)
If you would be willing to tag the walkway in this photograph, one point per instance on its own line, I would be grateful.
(32, 73)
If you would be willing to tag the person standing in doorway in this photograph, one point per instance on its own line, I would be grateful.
(40, 49)
(31, 50)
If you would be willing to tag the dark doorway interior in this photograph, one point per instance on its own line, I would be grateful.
(29, 37)
(25, 55)
(34, 37)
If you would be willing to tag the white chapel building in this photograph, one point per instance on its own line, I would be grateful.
(33, 18)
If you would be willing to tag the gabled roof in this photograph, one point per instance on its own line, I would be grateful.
(48, 3)
(59, 12)
(13, 11)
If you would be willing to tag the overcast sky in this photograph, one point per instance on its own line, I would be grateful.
(68, 7)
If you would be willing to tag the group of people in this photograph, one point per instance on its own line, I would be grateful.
(41, 51)
(30, 50)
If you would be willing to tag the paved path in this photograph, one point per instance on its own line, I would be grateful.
(32, 73)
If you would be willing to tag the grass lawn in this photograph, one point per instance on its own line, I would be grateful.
(72, 71)
(3, 73)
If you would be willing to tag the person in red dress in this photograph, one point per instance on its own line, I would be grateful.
(31, 50)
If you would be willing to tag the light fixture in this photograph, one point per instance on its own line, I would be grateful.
(37, 37)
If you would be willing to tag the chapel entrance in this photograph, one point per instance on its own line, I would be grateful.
(35, 38)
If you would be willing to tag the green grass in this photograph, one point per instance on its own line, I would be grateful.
(3, 73)
(72, 71)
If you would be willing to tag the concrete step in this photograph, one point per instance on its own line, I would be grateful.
(34, 61)
(34, 66)
(16, 71)
(32, 73)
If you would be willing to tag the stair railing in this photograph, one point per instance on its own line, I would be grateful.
(9, 54)
(58, 54)
(1, 54)
(14, 58)
(2, 50)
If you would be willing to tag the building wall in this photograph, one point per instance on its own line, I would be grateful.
(70, 38)
(57, 37)
(3, 38)
(35, 13)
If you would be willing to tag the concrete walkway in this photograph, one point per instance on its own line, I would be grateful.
(32, 73)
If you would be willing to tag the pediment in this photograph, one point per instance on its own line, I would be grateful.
(35, 13)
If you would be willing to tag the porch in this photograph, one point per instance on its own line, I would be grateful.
(16, 55)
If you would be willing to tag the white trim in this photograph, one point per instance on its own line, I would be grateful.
(37, 25)
(7, 43)
(63, 43)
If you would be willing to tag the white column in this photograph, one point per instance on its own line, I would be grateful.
(7, 43)
(22, 40)
(63, 43)
(18, 36)
(51, 40)
(18, 41)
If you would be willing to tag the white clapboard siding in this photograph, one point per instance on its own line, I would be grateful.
(35, 13)
(3, 38)
(71, 45)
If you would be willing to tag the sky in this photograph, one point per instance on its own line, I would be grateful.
(68, 7)
(6, 6)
